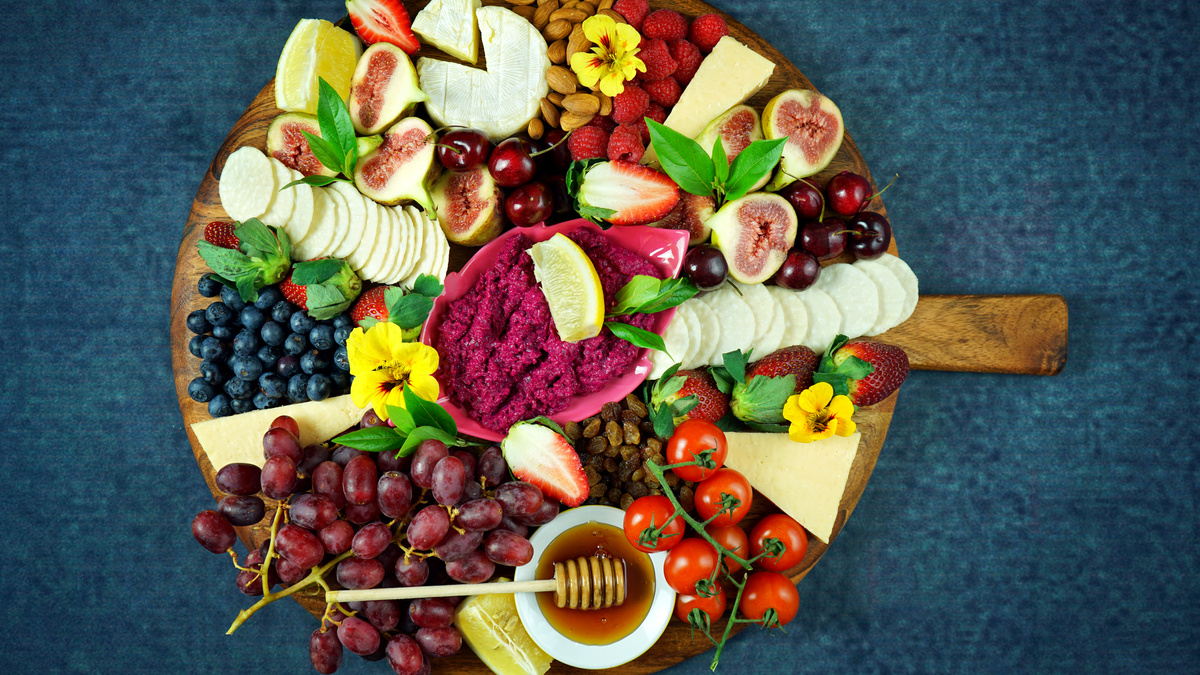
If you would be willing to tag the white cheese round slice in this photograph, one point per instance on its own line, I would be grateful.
(341, 222)
(356, 218)
(759, 299)
(795, 316)
(321, 230)
(381, 251)
(369, 235)
(428, 260)
(280, 210)
(302, 210)
(694, 332)
(247, 184)
(824, 318)
(406, 233)
(736, 320)
(907, 279)
(771, 339)
(891, 295)
(855, 294)
(396, 252)
(675, 339)
(709, 336)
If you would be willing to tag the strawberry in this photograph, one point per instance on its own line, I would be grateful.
(409, 310)
(540, 455)
(669, 400)
(770, 381)
(889, 365)
(221, 234)
(324, 287)
(624, 193)
(383, 21)
(370, 305)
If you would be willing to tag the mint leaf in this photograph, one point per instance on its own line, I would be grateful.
(315, 271)
(328, 155)
(336, 127)
(720, 163)
(749, 167)
(410, 311)
(427, 285)
(637, 336)
(682, 159)
(372, 439)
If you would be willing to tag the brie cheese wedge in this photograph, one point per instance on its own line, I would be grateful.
(450, 26)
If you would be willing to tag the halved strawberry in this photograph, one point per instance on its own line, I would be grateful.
(222, 234)
(383, 21)
(624, 193)
(537, 454)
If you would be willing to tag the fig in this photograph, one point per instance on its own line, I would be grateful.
(813, 126)
(691, 214)
(468, 206)
(286, 144)
(400, 169)
(755, 234)
(383, 89)
(738, 127)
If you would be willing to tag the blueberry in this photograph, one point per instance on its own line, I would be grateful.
(319, 387)
(295, 344)
(208, 286)
(238, 388)
(231, 297)
(268, 355)
(314, 361)
(195, 345)
(213, 373)
(301, 322)
(273, 385)
(272, 333)
(219, 406)
(245, 343)
(218, 313)
(287, 366)
(341, 334)
(341, 359)
(224, 333)
(201, 391)
(282, 311)
(340, 380)
(252, 317)
(343, 319)
(297, 388)
(267, 297)
(321, 337)
(212, 349)
(261, 401)
(250, 368)
(241, 405)
(197, 323)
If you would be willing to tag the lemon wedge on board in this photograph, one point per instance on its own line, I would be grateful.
(571, 286)
(315, 49)
(491, 628)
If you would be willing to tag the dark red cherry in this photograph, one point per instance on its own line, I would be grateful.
(870, 235)
(463, 149)
(847, 193)
(558, 189)
(553, 155)
(529, 204)
(706, 267)
(805, 197)
(798, 271)
(511, 164)
(825, 239)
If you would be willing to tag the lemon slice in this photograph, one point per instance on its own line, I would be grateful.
(315, 49)
(571, 286)
(491, 628)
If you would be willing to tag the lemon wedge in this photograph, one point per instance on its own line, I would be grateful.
(571, 286)
(315, 49)
(491, 628)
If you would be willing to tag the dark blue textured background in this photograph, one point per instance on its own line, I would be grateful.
(1013, 524)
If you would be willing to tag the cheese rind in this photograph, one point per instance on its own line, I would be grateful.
(238, 438)
(805, 480)
(450, 26)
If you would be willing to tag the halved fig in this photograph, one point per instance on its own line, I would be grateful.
(691, 214)
(755, 234)
(401, 168)
(383, 88)
(813, 126)
(468, 206)
(286, 144)
(737, 128)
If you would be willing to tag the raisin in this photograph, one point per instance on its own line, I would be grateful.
(614, 495)
(594, 461)
(672, 479)
(638, 474)
(687, 498)
(593, 476)
(574, 431)
(591, 427)
(633, 435)
(630, 417)
(626, 501)
(597, 445)
(610, 465)
(654, 445)
(598, 490)
(629, 452)
(647, 428)
(610, 411)
(637, 489)
(613, 432)
(636, 406)
(626, 469)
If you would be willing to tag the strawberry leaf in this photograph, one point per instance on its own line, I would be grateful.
(325, 301)
(735, 363)
(427, 285)
(839, 382)
(410, 311)
(722, 379)
(549, 423)
(761, 399)
(664, 421)
(367, 323)
(257, 240)
(682, 159)
(315, 271)
(827, 365)
(854, 368)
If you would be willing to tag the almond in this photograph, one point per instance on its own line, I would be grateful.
(577, 42)
(571, 121)
(604, 4)
(520, 2)
(605, 103)
(557, 30)
(571, 15)
(557, 51)
(525, 12)
(536, 129)
(613, 14)
(561, 79)
(582, 104)
(541, 18)
(586, 8)
(555, 97)
(549, 112)
(543, 2)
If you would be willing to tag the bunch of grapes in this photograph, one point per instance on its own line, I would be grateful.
(354, 520)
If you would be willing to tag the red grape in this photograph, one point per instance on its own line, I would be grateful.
(249, 582)
(543, 515)
(327, 480)
(405, 656)
(355, 573)
(299, 546)
(479, 514)
(468, 461)
(279, 477)
(439, 642)
(325, 651)
(370, 541)
(394, 494)
(428, 454)
(336, 537)
(358, 636)
(213, 531)
(428, 527)
(360, 480)
(342, 454)
(507, 523)
(507, 548)
(455, 546)
(519, 498)
(313, 456)
(239, 478)
(449, 479)
(313, 511)
(388, 461)
(492, 466)
(240, 510)
(412, 572)
(474, 568)
(280, 442)
(382, 614)
(286, 422)
(289, 572)
(431, 612)
(360, 514)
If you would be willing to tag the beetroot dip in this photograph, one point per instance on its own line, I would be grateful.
(500, 355)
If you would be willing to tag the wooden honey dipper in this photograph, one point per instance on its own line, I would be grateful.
(578, 583)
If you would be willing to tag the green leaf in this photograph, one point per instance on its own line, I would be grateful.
(761, 399)
(428, 413)
(422, 434)
(402, 419)
(722, 379)
(226, 262)
(367, 323)
(575, 173)
(664, 421)
(839, 382)
(735, 363)
(682, 159)
(720, 163)
(372, 439)
(336, 125)
(326, 153)
(316, 271)
(410, 311)
(768, 428)
(637, 336)
(751, 165)
(595, 213)
(682, 406)
(315, 181)
(322, 295)
(257, 237)
(827, 359)
(640, 290)
(855, 368)
(670, 386)
(550, 424)
(674, 292)
(427, 285)
(730, 423)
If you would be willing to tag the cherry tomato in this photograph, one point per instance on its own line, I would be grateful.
(769, 590)
(714, 607)
(688, 562)
(732, 537)
(708, 496)
(785, 529)
(690, 439)
(648, 512)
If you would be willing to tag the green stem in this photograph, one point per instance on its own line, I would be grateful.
(265, 568)
(316, 576)
(658, 472)
(728, 624)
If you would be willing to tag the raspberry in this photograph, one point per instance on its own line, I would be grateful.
(605, 122)
(657, 58)
(634, 11)
(665, 91)
(666, 24)
(626, 144)
(657, 113)
(688, 56)
(707, 30)
(587, 142)
(630, 105)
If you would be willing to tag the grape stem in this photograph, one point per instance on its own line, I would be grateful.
(316, 576)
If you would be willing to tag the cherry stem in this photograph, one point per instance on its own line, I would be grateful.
(560, 142)
(885, 187)
(451, 148)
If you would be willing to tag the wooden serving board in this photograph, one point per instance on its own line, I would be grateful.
(992, 334)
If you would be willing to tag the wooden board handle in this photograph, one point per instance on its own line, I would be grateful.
(1015, 334)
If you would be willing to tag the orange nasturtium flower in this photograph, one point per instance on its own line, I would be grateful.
(382, 363)
(816, 413)
(614, 58)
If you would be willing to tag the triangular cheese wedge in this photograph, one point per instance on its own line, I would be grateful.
(238, 438)
(805, 480)
(450, 26)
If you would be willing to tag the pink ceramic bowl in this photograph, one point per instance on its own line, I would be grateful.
(664, 248)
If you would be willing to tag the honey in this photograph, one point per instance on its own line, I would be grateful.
(598, 626)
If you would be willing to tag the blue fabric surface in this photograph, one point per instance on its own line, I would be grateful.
(1013, 524)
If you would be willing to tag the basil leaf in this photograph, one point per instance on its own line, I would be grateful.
(640, 290)
(336, 125)
(326, 154)
(674, 292)
(402, 419)
(637, 336)
(373, 439)
(682, 159)
(315, 181)
(410, 311)
(749, 167)
(429, 414)
(316, 271)
(427, 285)
(720, 163)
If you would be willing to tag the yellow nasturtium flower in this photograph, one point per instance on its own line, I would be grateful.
(816, 413)
(614, 58)
(382, 363)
